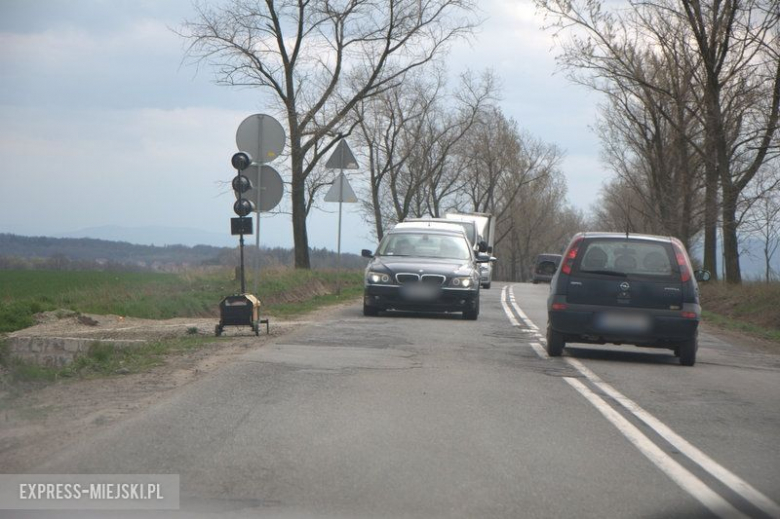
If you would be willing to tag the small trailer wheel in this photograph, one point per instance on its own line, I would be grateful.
(217, 330)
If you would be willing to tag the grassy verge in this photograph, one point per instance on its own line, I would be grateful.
(153, 295)
(288, 310)
(285, 293)
(750, 308)
(102, 359)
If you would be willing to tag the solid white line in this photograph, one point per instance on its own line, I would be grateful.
(539, 350)
(728, 478)
(519, 311)
(507, 311)
(689, 482)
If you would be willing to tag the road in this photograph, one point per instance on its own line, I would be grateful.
(433, 416)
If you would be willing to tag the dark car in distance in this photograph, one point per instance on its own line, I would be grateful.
(423, 269)
(545, 267)
(619, 288)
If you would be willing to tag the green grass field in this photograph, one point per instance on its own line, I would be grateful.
(23, 293)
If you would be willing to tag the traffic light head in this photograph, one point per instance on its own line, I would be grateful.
(241, 160)
(241, 184)
(243, 207)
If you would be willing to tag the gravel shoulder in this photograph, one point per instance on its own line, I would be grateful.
(36, 423)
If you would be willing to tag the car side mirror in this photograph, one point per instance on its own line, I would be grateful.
(483, 258)
(493, 259)
(366, 253)
(702, 275)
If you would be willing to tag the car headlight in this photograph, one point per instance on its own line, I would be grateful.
(378, 277)
(464, 282)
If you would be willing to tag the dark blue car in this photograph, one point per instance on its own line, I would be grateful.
(616, 288)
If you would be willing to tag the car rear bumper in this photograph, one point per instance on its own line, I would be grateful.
(384, 297)
(586, 323)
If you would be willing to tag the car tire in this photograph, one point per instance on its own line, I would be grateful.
(486, 286)
(555, 342)
(534, 282)
(471, 315)
(688, 351)
(370, 311)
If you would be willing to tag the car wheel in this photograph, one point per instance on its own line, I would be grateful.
(486, 286)
(471, 315)
(370, 311)
(555, 342)
(688, 352)
(534, 282)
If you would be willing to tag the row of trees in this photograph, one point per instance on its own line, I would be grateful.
(689, 121)
(373, 71)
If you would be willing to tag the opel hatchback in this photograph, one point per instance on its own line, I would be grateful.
(615, 288)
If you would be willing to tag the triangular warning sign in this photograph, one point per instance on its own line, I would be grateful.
(341, 191)
(342, 158)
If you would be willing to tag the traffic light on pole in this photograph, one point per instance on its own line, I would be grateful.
(243, 206)
(241, 184)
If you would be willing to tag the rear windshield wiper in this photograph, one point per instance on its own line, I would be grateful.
(606, 272)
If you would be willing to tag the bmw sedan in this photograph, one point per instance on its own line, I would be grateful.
(423, 269)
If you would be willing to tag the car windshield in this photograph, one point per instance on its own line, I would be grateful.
(427, 245)
(621, 257)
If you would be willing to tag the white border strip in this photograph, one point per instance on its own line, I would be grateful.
(687, 481)
(728, 478)
(522, 315)
(507, 311)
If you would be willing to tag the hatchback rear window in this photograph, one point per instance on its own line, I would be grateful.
(628, 257)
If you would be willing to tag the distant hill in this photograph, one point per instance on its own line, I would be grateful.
(89, 253)
(153, 235)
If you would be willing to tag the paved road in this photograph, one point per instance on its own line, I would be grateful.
(433, 416)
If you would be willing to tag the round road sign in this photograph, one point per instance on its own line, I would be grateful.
(261, 136)
(270, 183)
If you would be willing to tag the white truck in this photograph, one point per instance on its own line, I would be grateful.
(486, 227)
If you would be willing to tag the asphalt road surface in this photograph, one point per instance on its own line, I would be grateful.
(425, 416)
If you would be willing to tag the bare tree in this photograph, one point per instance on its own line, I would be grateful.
(761, 216)
(730, 48)
(317, 59)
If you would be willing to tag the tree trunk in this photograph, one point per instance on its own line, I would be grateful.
(300, 235)
(730, 240)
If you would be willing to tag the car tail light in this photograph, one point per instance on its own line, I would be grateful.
(689, 315)
(559, 306)
(682, 261)
(571, 255)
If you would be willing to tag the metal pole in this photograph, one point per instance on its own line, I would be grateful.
(338, 261)
(257, 202)
(241, 247)
(341, 200)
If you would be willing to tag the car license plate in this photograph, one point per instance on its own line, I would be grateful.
(420, 292)
(623, 322)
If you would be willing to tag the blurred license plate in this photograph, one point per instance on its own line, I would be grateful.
(624, 322)
(420, 292)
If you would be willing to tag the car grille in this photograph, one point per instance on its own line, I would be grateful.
(433, 279)
(407, 278)
(428, 279)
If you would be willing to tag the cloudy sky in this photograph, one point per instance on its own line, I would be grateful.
(102, 124)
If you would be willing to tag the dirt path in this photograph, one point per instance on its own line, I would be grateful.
(37, 423)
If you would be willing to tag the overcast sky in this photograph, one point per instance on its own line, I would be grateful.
(101, 123)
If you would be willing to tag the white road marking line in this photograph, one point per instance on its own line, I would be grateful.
(539, 350)
(519, 311)
(728, 478)
(687, 481)
(507, 311)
